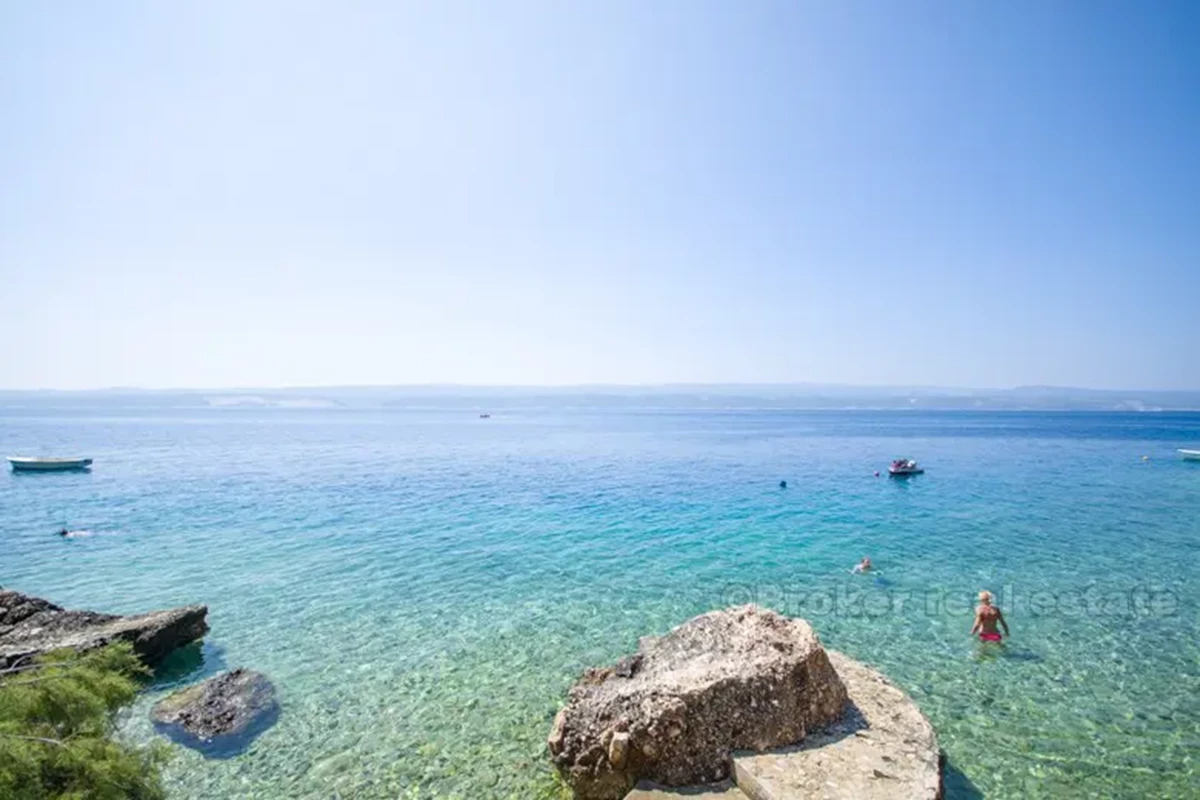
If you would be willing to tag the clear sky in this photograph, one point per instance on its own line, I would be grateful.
(250, 193)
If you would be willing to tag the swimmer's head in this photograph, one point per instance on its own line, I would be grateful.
(985, 597)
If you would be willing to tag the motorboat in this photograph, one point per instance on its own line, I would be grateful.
(1190, 455)
(40, 464)
(904, 466)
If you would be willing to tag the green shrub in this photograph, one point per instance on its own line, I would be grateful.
(56, 730)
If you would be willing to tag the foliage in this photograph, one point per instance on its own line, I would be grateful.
(56, 730)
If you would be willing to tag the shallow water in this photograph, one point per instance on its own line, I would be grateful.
(424, 585)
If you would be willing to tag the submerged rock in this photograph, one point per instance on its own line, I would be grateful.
(30, 626)
(222, 715)
(741, 679)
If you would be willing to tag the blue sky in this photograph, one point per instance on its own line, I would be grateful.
(199, 194)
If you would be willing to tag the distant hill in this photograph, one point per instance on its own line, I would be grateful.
(699, 396)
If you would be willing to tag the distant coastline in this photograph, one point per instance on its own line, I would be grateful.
(733, 397)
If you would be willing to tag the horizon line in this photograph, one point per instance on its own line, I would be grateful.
(809, 385)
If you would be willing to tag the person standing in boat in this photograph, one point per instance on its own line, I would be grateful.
(987, 616)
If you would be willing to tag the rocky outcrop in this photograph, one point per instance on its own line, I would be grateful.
(882, 748)
(676, 710)
(223, 713)
(725, 790)
(30, 626)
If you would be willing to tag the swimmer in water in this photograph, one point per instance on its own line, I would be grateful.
(861, 566)
(783, 484)
(69, 534)
(986, 617)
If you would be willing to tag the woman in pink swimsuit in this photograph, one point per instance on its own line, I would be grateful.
(986, 618)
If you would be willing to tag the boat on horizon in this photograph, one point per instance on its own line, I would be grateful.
(1190, 455)
(904, 466)
(43, 464)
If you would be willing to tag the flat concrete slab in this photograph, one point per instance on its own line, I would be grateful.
(883, 749)
(715, 791)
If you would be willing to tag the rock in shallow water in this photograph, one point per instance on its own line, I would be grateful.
(30, 626)
(882, 748)
(220, 716)
(743, 678)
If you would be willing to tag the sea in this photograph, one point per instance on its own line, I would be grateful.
(423, 584)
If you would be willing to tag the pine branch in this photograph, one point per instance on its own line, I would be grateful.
(30, 681)
(22, 668)
(38, 665)
(42, 739)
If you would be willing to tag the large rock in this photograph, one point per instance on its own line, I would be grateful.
(673, 713)
(882, 748)
(30, 626)
(724, 790)
(224, 713)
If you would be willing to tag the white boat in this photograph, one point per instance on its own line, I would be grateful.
(1190, 455)
(904, 466)
(36, 464)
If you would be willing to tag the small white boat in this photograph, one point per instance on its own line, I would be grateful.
(1190, 455)
(35, 464)
(904, 466)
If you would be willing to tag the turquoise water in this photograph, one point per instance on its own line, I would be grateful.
(424, 585)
